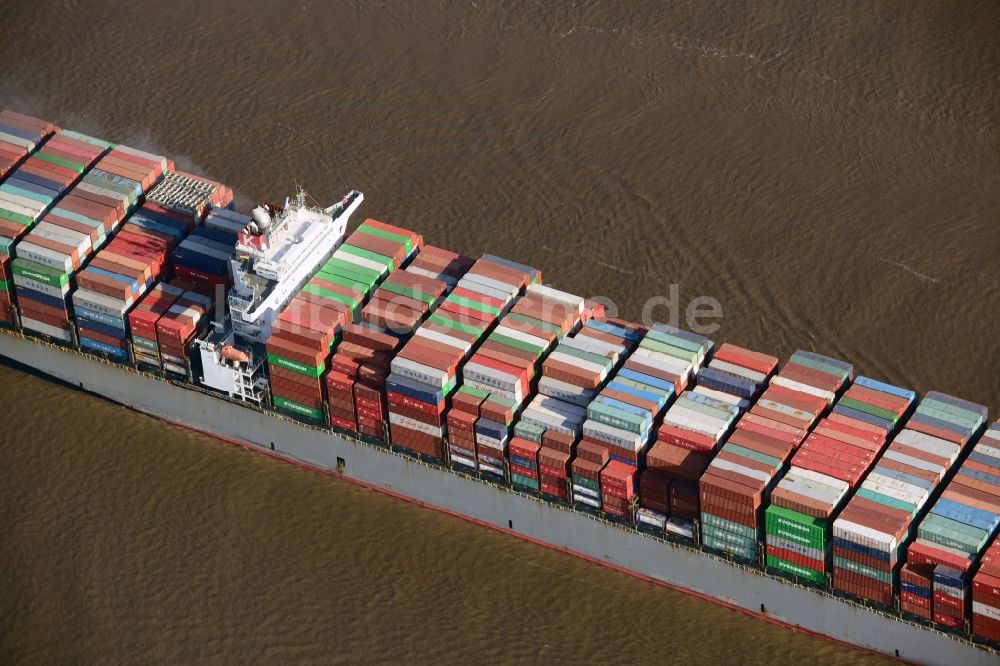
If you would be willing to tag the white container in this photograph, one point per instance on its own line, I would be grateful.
(413, 424)
(45, 256)
(45, 329)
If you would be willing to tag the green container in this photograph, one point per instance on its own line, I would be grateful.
(796, 570)
(441, 320)
(295, 366)
(707, 410)
(952, 534)
(335, 262)
(300, 410)
(887, 501)
(86, 138)
(682, 354)
(17, 218)
(596, 359)
(333, 296)
(7, 246)
(586, 483)
(82, 219)
(27, 194)
(58, 161)
(369, 255)
(617, 418)
(143, 342)
(820, 366)
(517, 318)
(731, 540)
(869, 409)
(530, 431)
(960, 420)
(6, 286)
(98, 180)
(477, 392)
(752, 455)
(354, 282)
(851, 565)
(524, 481)
(971, 415)
(796, 527)
(729, 526)
(673, 341)
(473, 304)
(52, 277)
(353, 272)
(413, 294)
(405, 241)
(514, 343)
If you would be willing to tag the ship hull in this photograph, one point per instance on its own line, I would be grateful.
(673, 565)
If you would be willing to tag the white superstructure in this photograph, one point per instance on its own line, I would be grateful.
(278, 251)
(277, 254)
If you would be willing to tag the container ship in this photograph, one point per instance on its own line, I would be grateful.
(800, 493)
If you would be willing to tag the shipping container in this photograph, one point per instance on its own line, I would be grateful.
(734, 488)
(872, 532)
(960, 524)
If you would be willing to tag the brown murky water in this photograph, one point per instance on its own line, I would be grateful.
(828, 174)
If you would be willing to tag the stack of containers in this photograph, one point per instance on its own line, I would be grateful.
(560, 405)
(440, 264)
(693, 427)
(507, 363)
(157, 220)
(571, 375)
(60, 161)
(585, 469)
(179, 326)
(117, 276)
(554, 463)
(20, 135)
(123, 270)
(524, 472)
(580, 364)
(735, 485)
(736, 372)
(45, 260)
(201, 258)
(404, 300)
(332, 298)
(623, 413)
(356, 382)
(297, 351)
(426, 368)
(824, 472)
(619, 483)
(986, 593)
(142, 322)
(953, 535)
(226, 221)
(871, 533)
(358, 266)
(440, 271)
(466, 405)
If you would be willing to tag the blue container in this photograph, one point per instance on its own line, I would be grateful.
(101, 347)
(23, 134)
(26, 177)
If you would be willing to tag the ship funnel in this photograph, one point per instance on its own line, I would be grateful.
(262, 218)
